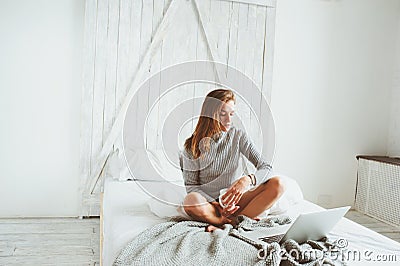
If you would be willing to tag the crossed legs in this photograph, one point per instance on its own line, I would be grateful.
(253, 203)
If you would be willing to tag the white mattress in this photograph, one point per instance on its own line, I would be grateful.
(126, 214)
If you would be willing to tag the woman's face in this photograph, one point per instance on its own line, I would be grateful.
(225, 116)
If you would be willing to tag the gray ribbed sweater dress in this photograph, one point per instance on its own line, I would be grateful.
(220, 167)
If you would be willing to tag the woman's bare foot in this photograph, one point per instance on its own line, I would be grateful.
(211, 228)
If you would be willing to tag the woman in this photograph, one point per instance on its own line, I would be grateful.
(211, 160)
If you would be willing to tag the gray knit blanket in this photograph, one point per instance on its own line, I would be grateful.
(186, 243)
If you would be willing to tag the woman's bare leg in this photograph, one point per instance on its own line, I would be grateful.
(252, 203)
(255, 202)
(197, 207)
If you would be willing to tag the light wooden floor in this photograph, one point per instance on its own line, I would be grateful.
(49, 241)
(69, 241)
(388, 230)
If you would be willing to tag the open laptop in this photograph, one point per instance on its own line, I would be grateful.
(308, 226)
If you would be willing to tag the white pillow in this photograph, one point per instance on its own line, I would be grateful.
(166, 198)
(151, 165)
(291, 196)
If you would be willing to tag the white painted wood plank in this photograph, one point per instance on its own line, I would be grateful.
(155, 66)
(259, 46)
(135, 37)
(27, 240)
(242, 35)
(270, 3)
(53, 250)
(6, 249)
(116, 129)
(267, 82)
(88, 96)
(250, 41)
(269, 53)
(233, 36)
(111, 68)
(123, 52)
(24, 227)
(202, 52)
(153, 120)
(179, 95)
(134, 47)
(87, 91)
(99, 77)
(258, 60)
(243, 50)
(154, 125)
(38, 248)
(168, 52)
(101, 235)
(146, 32)
(48, 229)
(158, 13)
(203, 14)
(209, 38)
(214, 27)
(249, 70)
(166, 55)
(185, 34)
(223, 32)
(177, 46)
(49, 260)
(77, 221)
(167, 42)
(166, 5)
(146, 35)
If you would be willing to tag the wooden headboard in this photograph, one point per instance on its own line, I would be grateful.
(128, 41)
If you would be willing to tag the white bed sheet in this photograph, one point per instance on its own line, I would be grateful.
(126, 214)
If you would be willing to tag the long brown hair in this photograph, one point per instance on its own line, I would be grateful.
(208, 125)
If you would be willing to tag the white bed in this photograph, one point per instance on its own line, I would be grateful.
(126, 213)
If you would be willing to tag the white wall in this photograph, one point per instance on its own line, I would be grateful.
(394, 128)
(331, 96)
(40, 92)
(331, 90)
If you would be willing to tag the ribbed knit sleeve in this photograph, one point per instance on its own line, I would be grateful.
(190, 171)
(248, 149)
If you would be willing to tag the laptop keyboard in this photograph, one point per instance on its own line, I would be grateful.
(271, 239)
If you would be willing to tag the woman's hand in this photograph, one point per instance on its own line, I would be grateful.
(225, 212)
(235, 192)
(229, 210)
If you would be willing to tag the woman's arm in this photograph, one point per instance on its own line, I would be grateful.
(190, 173)
(248, 149)
(236, 190)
